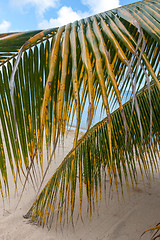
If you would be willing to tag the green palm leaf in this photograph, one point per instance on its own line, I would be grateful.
(104, 56)
(84, 164)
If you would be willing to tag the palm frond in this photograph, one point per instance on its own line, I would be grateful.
(82, 168)
(103, 56)
(10, 43)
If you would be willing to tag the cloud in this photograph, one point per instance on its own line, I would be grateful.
(40, 5)
(97, 6)
(65, 15)
(4, 26)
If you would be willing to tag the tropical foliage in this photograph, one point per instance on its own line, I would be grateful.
(102, 57)
(91, 158)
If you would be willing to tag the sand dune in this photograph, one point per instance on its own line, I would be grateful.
(123, 220)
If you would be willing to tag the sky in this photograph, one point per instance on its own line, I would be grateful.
(25, 15)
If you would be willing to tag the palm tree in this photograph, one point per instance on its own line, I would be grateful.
(48, 76)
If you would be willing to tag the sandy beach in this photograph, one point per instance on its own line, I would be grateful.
(123, 220)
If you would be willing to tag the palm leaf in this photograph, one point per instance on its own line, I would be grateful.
(116, 51)
(84, 165)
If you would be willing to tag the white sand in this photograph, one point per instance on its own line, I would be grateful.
(124, 220)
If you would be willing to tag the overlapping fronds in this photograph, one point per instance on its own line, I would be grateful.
(103, 56)
(81, 170)
(18, 140)
(10, 43)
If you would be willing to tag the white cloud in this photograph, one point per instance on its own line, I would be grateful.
(4, 26)
(65, 15)
(40, 5)
(97, 6)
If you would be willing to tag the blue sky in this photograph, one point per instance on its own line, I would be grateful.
(24, 15)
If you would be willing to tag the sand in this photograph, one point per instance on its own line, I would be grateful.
(123, 220)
